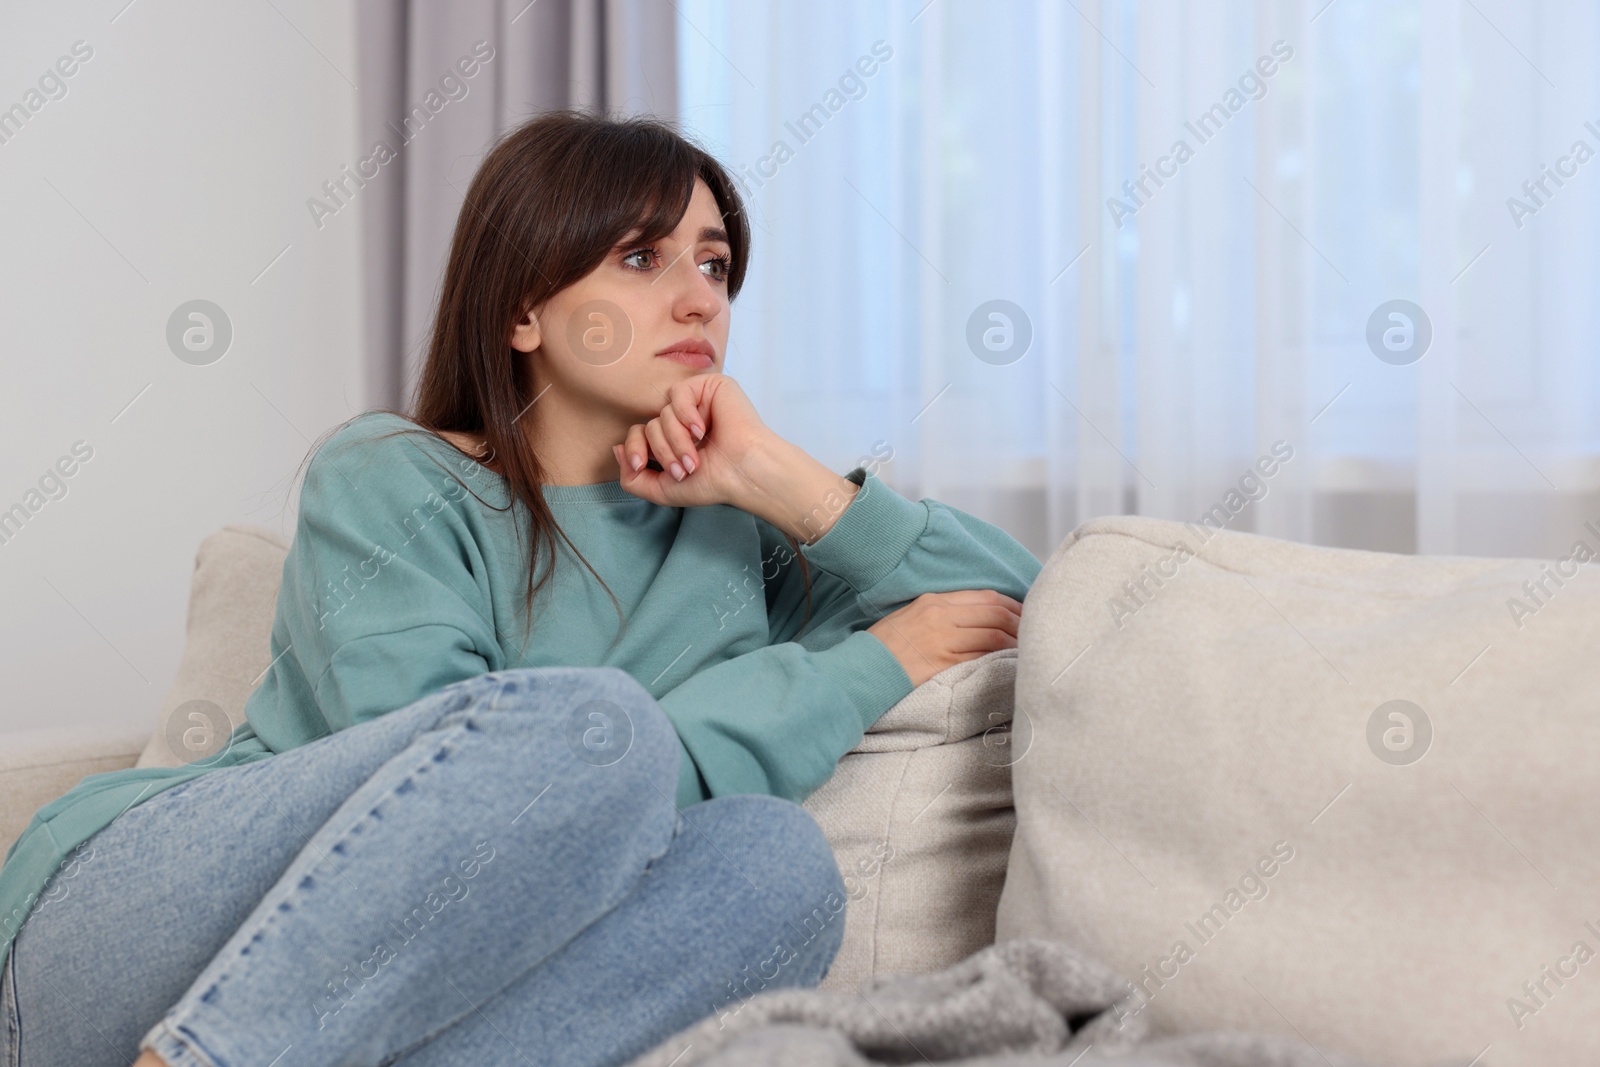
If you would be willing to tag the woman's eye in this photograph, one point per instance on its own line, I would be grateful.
(643, 259)
(722, 264)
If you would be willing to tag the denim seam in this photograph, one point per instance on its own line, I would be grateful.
(298, 892)
(505, 685)
(188, 1049)
(8, 1004)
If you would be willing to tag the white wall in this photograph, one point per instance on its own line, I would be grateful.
(176, 166)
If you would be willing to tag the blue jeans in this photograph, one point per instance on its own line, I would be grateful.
(495, 874)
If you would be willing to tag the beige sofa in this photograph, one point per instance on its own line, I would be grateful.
(1345, 797)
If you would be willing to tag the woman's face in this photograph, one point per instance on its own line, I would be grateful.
(601, 345)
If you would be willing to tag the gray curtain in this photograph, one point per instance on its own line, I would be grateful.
(416, 97)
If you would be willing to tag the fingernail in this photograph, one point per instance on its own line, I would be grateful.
(677, 472)
(688, 463)
(699, 431)
(636, 462)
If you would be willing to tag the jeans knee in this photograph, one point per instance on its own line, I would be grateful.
(613, 721)
(784, 842)
(801, 838)
(604, 718)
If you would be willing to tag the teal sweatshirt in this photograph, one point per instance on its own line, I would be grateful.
(408, 572)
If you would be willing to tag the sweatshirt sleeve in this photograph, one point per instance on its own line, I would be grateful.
(883, 552)
(384, 596)
(779, 719)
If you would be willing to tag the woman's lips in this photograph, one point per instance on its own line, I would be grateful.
(697, 360)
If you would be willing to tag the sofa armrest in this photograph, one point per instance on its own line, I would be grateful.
(37, 766)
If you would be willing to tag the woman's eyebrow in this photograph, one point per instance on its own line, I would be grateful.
(707, 233)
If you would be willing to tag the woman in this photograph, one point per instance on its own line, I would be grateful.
(477, 818)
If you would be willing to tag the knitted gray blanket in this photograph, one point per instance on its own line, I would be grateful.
(1022, 1003)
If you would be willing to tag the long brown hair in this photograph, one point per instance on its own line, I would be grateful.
(548, 204)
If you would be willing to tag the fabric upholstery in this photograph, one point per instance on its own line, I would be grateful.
(232, 596)
(920, 820)
(1215, 785)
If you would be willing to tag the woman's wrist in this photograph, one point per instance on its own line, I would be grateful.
(793, 492)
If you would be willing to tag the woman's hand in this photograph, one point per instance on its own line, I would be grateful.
(736, 461)
(707, 431)
(939, 630)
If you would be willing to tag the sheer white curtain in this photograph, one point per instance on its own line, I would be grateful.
(908, 164)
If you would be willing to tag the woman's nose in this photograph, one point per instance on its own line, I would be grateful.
(693, 290)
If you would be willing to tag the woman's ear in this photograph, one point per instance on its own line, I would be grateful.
(525, 336)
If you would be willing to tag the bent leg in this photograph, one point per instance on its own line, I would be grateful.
(748, 898)
(464, 834)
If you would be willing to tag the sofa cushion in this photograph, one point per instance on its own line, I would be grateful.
(920, 819)
(39, 765)
(232, 598)
(919, 815)
(1341, 794)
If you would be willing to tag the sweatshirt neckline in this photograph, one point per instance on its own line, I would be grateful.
(593, 493)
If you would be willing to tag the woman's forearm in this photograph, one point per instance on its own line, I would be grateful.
(792, 491)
